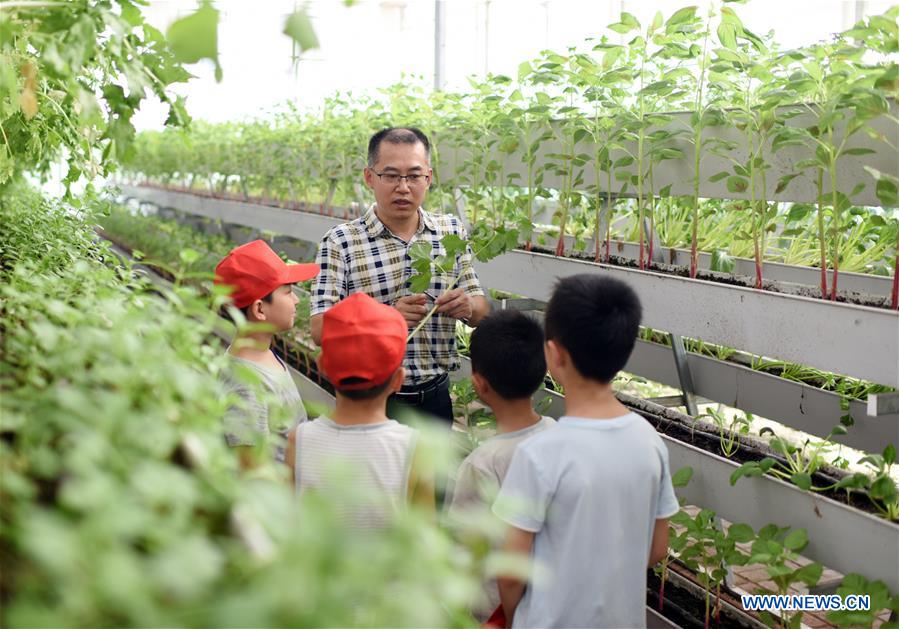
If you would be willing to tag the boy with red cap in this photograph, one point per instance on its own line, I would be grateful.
(270, 405)
(363, 345)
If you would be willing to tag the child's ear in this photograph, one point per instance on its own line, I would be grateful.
(555, 355)
(551, 353)
(256, 310)
(397, 381)
(480, 384)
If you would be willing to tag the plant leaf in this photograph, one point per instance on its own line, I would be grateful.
(796, 540)
(299, 28)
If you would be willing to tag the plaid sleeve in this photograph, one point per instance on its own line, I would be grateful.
(468, 279)
(330, 285)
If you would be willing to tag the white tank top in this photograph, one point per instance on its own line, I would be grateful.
(363, 469)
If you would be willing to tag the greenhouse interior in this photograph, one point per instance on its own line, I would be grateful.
(298, 298)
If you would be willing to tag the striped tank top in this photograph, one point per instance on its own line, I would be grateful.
(364, 470)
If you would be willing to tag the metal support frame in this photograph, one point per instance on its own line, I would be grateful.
(880, 404)
(673, 401)
(683, 374)
(439, 44)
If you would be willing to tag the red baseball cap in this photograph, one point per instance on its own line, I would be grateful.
(362, 338)
(253, 270)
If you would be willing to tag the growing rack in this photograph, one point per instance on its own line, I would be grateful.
(862, 342)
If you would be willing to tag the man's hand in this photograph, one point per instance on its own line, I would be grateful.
(412, 307)
(456, 303)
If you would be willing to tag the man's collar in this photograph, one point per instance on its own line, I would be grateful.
(375, 227)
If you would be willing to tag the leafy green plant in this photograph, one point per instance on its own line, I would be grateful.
(879, 486)
(799, 463)
(72, 75)
(488, 243)
(858, 585)
(681, 478)
(729, 430)
(124, 496)
(777, 548)
(471, 413)
(742, 64)
(708, 550)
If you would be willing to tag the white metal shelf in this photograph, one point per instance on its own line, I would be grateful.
(794, 404)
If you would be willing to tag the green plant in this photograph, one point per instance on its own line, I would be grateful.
(471, 413)
(488, 244)
(72, 75)
(123, 506)
(742, 65)
(856, 584)
(681, 478)
(708, 550)
(777, 548)
(879, 486)
(729, 430)
(798, 464)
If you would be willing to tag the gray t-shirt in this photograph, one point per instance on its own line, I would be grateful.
(477, 482)
(591, 490)
(256, 416)
(364, 469)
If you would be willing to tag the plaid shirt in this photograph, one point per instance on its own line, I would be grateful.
(364, 256)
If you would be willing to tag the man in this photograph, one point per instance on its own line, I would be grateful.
(371, 255)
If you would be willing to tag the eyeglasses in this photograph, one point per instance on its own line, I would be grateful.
(393, 179)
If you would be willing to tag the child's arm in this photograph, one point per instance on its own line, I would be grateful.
(511, 589)
(659, 548)
(421, 486)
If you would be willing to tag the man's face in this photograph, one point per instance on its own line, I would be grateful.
(400, 200)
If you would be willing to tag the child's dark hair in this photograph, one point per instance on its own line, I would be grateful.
(596, 320)
(245, 311)
(267, 299)
(363, 394)
(507, 350)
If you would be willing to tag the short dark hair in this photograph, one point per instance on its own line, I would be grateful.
(396, 135)
(362, 394)
(246, 309)
(507, 350)
(596, 319)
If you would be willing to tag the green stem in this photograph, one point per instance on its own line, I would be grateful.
(431, 312)
(836, 226)
(449, 288)
(821, 240)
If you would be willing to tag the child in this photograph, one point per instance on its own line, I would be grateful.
(503, 339)
(363, 345)
(262, 289)
(588, 500)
